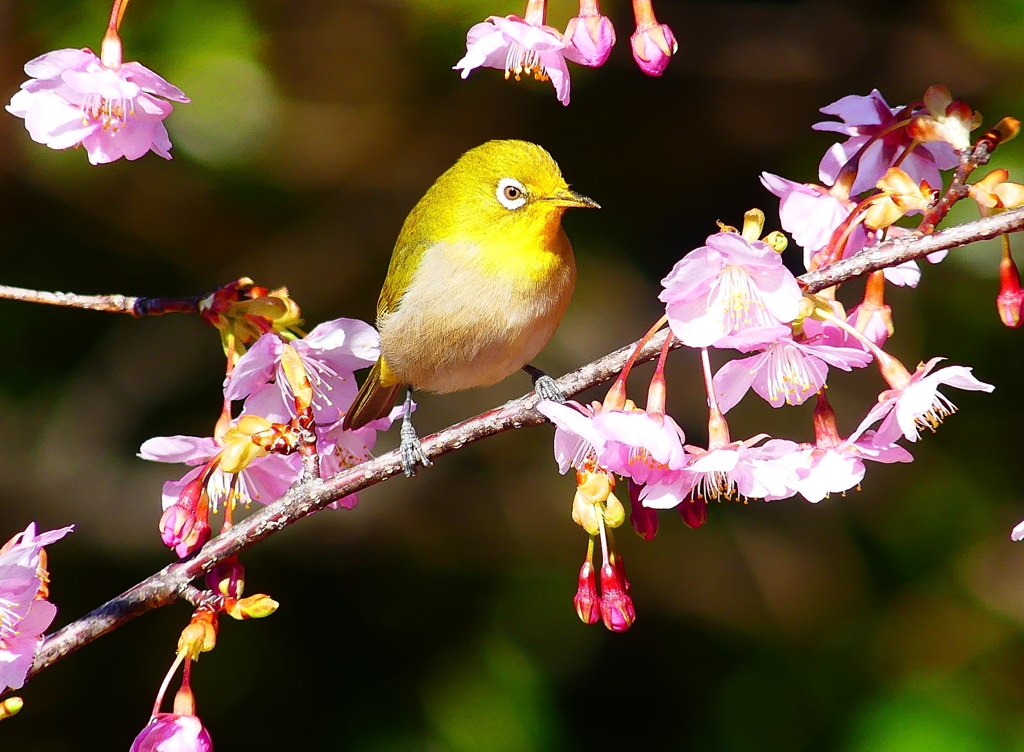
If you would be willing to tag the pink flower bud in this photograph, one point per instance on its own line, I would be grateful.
(693, 511)
(1011, 296)
(183, 530)
(653, 43)
(643, 520)
(227, 578)
(591, 37)
(653, 48)
(586, 600)
(616, 605)
(167, 731)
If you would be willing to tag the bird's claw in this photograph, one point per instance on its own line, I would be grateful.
(547, 389)
(412, 450)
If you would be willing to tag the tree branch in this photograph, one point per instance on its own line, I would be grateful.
(310, 496)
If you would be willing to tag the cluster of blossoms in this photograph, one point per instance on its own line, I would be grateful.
(294, 391)
(528, 46)
(25, 612)
(735, 293)
(110, 108)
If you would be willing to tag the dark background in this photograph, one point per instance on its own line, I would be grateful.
(438, 616)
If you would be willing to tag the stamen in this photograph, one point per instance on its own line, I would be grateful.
(738, 300)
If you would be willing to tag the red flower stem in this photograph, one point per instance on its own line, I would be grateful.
(656, 391)
(604, 538)
(906, 153)
(718, 429)
(643, 12)
(166, 682)
(116, 14)
(616, 396)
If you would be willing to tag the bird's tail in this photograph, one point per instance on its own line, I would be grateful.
(375, 399)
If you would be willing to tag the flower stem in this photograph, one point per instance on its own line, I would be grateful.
(536, 12)
(656, 391)
(893, 371)
(616, 396)
(718, 429)
(167, 680)
(643, 12)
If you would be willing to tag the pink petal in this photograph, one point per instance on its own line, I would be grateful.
(255, 368)
(52, 64)
(149, 81)
(733, 380)
(188, 449)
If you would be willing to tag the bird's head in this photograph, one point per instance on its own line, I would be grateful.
(508, 187)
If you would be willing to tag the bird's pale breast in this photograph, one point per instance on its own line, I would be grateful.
(464, 323)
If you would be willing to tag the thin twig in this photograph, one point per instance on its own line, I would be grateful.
(310, 496)
(133, 306)
(899, 250)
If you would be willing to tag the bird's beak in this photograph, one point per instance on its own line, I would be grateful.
(572, 199)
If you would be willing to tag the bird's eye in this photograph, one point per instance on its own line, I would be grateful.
(511, 194)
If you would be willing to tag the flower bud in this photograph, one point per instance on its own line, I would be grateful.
(614, 512)
(185, 524)
(227, 578)
(591, 37)
(1010, 297)
(693, 511)
(12, 706)
(586, 600)
(167, 731)
(593, 486)
(643, 520)
(254, 607)
(200, 636)
(585, 514)
(616, 605)
(653, 47)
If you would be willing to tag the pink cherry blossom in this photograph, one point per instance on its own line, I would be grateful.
(728, 287)
(517, 47)
(736, 470)
(591, 35)
(74, 99)
(19, 565)
(330, 354)
(646, 447)
(20, 640)
(869, 119)
(919, 404)
(785, 372)
(168, 732)
(836, 469)
(24, 615)
(811, 215)
(264, 480)
(341, 449)
(577, 440)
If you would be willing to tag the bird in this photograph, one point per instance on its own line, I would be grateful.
(480, 276)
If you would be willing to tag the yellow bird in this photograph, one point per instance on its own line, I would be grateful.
(480, 276)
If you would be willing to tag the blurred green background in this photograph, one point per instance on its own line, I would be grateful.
(438, 615)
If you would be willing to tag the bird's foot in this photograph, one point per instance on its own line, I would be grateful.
(412, 450)
(547, 389)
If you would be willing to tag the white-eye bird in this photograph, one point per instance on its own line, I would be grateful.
(480, 276)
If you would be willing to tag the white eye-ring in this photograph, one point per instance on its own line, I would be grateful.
(511, 193)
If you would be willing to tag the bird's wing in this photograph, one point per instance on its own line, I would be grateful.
(404, 260)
